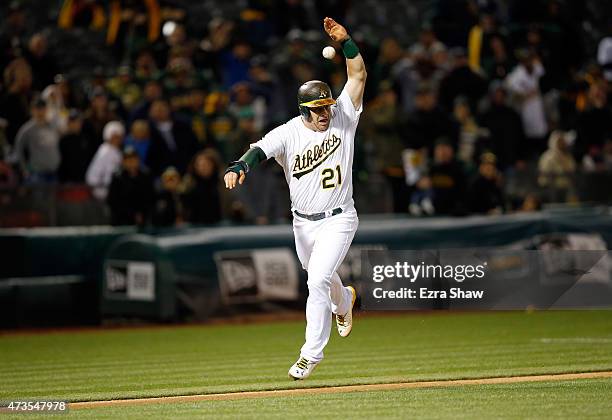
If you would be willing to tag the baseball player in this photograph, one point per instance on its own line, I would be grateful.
(315, 150)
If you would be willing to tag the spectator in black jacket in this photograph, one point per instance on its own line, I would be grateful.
(16, 97)
(168, 207)
(461, 81)
(13, 30)
(506, 137)
(77, 149)
(427, 122)
(44, 67)
(99, 113)
(594, 123)
(447, 180)
(485, 194)
(131, 193)
(172, 141)
(202, 199)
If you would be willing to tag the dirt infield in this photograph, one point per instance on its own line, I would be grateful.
(346, 388)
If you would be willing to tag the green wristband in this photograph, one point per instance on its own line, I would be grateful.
(349, 48)
(237, 166)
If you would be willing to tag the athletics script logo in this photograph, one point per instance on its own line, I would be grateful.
(313, 157)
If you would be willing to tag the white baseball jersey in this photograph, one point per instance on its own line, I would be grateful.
(317, 165)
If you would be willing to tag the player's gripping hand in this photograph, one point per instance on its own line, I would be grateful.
(231, 178)
(335, 31)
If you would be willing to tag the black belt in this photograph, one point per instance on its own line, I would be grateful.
(318, 216)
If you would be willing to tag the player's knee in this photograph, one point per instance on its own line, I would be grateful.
(319, 280)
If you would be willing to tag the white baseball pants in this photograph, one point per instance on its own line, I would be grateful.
(321, 247)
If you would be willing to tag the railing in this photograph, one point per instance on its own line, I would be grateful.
(73, 204)
(51, 205)
(576, 187)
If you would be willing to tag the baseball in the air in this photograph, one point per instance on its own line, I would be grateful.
(329, 52)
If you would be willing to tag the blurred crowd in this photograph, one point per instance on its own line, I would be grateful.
(461, 113)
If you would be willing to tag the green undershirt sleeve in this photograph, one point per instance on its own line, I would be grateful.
(253, 157)
(248, 161)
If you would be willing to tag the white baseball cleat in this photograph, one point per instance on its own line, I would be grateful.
(345, 322)
(302, 369)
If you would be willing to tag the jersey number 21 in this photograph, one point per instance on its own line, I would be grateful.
(331, 178)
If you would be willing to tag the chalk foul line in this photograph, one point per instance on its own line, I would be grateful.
(343, 388)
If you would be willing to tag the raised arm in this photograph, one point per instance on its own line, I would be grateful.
(355, 67)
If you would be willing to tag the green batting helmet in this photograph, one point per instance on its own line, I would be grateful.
(312, 94)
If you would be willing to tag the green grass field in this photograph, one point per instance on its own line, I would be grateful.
(131, 363)
(571, 399)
